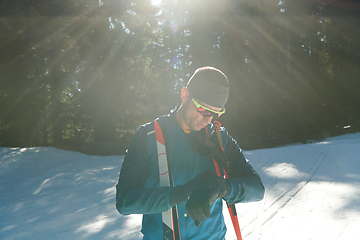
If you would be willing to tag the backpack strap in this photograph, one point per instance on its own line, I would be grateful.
(231, 207)
(171, 229)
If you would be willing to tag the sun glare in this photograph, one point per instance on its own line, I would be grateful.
(156, 2)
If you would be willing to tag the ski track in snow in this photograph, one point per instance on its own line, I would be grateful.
(312, 192)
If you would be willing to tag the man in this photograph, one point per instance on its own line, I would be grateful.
(197, 191)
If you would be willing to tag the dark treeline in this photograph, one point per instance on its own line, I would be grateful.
(83, 75)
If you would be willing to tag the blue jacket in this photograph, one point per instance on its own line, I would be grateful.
(138, 191)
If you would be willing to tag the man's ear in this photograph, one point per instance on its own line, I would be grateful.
(184, 94)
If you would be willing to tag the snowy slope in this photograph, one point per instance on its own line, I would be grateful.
(312, 192)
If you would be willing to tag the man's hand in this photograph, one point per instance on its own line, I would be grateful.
(198, 206)
(181, 193)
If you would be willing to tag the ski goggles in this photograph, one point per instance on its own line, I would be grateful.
(206, 112)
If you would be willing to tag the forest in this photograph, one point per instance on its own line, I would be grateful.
(83, 75)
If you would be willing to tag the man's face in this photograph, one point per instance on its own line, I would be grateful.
(193, 119)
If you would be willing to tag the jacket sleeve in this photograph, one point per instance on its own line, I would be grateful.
(131, 196)
(246, 183)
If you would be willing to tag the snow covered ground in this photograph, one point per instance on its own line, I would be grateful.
(312, 192)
